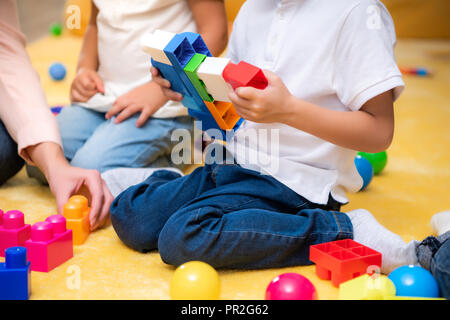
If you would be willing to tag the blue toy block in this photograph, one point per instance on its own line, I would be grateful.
(179, 51)
(15, 275)
(207, 122)
(197, 43)
(169, 73)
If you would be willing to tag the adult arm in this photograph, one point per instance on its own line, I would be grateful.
(24, 111)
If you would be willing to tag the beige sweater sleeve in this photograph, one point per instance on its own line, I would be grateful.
(23, 106)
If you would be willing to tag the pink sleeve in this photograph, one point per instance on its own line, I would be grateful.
(23, 106)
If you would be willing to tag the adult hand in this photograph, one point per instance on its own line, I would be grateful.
(66, 181)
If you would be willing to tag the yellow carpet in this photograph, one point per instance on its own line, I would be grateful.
(414, 185)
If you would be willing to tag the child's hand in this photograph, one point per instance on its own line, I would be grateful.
(165, 86)
(146, 99)
(265, 106)
(86, 83)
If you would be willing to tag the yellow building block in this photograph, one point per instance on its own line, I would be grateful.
(365, 287)
(76, 211)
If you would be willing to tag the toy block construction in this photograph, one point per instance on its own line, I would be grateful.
(13, 230)
(15, 275)
(50, 244)
(343, 260)
(203, 80)
(76, 212)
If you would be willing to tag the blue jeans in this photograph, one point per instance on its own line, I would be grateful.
(92, 142)
(434, 255)
(10, 161)
(224, 215)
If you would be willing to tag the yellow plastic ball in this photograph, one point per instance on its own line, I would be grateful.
(195, 280)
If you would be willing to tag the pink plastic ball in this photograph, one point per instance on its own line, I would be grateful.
(291, 286)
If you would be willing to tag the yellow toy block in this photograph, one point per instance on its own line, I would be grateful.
(365, 287)
(76, 211)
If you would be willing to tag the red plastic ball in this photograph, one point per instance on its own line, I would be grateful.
(291, 286)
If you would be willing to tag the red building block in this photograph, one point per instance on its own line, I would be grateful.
(342, 260)
(50, 244)
(244, 74)
(13, 230)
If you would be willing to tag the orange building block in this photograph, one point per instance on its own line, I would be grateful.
(224, 113)
(76, 211)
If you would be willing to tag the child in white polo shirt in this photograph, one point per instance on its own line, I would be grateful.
(332, 83)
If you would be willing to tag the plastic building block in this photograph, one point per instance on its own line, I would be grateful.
(224, 113)
(365, 287)
(169, 73)
(180, 52)
(197, 43)
(210, 72)
(191, 72)
(13, 230)
(15, 275)
(76, 212)
(154, 44)
(244, 74)
(50, 244)
(343, 260)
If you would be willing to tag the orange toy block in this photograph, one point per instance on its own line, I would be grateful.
(76, 212)
(224, 113)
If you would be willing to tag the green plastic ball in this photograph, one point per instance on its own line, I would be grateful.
(377, 160)
(56, 29)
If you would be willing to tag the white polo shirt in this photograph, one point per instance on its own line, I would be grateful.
(334, 53)
(123, 65)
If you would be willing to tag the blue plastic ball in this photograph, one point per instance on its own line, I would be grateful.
(365, 170)
(414, 281)
(57, 71)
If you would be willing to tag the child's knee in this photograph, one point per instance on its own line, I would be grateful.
(131, 232)
(177, 246)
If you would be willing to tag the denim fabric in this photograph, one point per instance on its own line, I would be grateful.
(92, 142)
(10, 161)
(225, 215)
(434, 255)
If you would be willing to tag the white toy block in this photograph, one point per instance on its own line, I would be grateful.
(154, 44)
(210, 72)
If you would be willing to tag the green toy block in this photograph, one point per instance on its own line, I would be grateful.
(191, 71)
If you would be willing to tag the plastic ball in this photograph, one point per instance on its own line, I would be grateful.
(56, 29)
(414, 281)
(365, 170)
(377, 160)
(291, 286)
(57, 71)
(195, 280)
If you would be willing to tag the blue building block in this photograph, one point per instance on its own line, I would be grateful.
(15, 275)
(169, 73)
(179, 51)
(197, 43)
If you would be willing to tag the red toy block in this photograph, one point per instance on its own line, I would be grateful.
(50, 244)
(342, 260)
(13, 230)
(244, 74)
